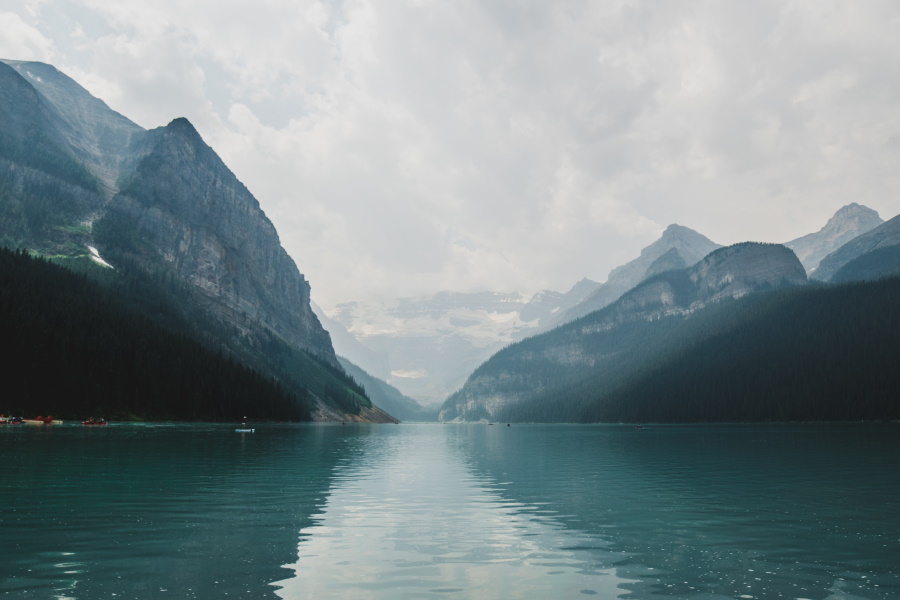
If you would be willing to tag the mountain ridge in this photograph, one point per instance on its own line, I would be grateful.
(80, 182)
(885, 235)
(847, 223)
(726, 273)
(100, 134)
(691, 246)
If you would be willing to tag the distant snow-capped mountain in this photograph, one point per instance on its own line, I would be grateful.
(432, 343)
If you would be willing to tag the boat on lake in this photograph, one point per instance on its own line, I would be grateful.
(40, 421)
(93, 421)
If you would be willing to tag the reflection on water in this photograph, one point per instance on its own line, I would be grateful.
(802, 512)
(414, 520)
(157, 511)
(782, 511)
(467, 512)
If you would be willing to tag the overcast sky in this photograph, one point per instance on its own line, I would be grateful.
(405, 147)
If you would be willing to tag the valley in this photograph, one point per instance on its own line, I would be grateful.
(157, 220)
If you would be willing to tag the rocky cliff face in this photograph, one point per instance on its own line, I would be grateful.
(98, 135)
(45, 188)
(74, 174)
(670, 261)
(847, 223)
(185, 211)
(741, 269)
(690, 245)
(884, 236)
(730, 272)
(520, 371)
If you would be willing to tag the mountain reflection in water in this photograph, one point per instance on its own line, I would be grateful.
(535, 511)
(413, 519)
(470, 512)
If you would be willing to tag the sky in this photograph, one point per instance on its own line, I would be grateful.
(406, 147)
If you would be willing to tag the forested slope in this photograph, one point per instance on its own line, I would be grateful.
(192, 250)
(76, 348)
(819, 353)
(813, 354)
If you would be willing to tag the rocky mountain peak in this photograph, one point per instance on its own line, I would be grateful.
(676, 231)
(885, 235)
(852, 211)
(167, 213)
(847, 223)
(182, 126)
(691, 247)
(181, 133)
(190, 213)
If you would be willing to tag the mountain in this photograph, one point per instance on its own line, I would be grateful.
(432, 343)
(544, 307)
(690, 245)
(885, 235)
(45, 188)
(670, 261)
(847, 223)
(814, 353)
(387, 397)
(182, 211)
(80, 182)
(99, 136)
(347, 346)
(618, 339)
(871, 266)
(82, 348)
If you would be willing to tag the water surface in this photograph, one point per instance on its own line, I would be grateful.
(450, 511)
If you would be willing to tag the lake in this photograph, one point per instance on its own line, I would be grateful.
(450, 511)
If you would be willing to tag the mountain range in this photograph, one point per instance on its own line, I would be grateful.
(884, 237)
(740, 336)
(661, 284)
(427, 346)
(159, 222)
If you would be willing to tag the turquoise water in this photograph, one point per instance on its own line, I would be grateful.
(450, 511)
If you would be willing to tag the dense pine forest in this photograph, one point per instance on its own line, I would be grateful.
(820, 354)
(876, 264)
(817, 353)
(76, 348)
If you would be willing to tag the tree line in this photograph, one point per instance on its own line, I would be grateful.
(812, 353)
(78, 349)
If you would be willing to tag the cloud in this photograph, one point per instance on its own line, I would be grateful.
(22, 41)
(406, 147)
